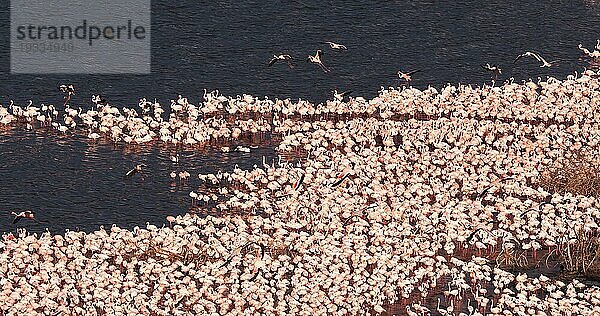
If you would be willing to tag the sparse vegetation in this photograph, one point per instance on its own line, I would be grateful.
(578, 173)
(581, 254)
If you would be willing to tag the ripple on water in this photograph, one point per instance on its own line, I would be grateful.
(72, 183)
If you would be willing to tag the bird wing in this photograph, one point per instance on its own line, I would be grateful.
(540, 58)
(486, 67)
(17, 218)
(318, 54)
(537, 56)
(131, 172)
(410, 73)
(520, 56)
(272, 61)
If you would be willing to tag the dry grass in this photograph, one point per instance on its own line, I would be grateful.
(577, 173)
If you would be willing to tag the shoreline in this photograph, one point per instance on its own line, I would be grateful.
(415, 201)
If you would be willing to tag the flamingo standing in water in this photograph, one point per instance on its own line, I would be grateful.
(69, 90)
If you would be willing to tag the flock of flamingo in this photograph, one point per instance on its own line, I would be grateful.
(416, 202)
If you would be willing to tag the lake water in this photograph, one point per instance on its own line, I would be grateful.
(226, 45)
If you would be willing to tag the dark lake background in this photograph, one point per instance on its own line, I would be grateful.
(226, 45)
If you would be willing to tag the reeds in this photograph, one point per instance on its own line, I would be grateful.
(577, 173)
(512, 259)
(580, 254)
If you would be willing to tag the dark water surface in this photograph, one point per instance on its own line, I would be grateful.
(225, 45)
(73, 182)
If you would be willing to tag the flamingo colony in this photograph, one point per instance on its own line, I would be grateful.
(416, 202)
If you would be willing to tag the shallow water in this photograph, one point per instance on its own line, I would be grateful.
(225, 45)
(72, 182)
